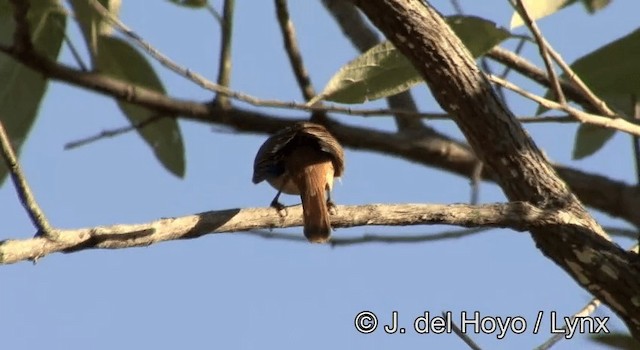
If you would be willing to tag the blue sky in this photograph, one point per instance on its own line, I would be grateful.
(236, 291)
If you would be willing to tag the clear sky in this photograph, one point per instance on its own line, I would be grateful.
(235, 291)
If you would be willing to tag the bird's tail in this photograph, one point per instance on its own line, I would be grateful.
(317, 227)
(312, 172)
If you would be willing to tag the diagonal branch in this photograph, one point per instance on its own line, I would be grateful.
(615, 123)
(580, 246)
(542, 47)
(521, 65)
(518, 216)
(293, 52)
(22, 187)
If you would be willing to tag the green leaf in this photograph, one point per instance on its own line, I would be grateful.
(92, 23)
(118, 59)
(617, 341)
(613, 71)
(22, 89)
(477, 34)
(538, 9)
(383, 71)
(190, 3)
(589, 139)
(615, 83)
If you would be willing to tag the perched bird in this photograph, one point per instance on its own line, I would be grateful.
(303, 159)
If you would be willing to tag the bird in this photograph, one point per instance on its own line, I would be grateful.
(303, 159)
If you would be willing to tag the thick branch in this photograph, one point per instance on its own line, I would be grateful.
(518, 216)
(580, 246)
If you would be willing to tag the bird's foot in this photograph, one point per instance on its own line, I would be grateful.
(282, 210)
(333, 210)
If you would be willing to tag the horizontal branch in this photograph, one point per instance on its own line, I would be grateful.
(616, 198)
(517, 216)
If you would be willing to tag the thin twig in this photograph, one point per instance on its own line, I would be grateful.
(595, 101)
(74, 51)
(22, 187)
(293, 52)
(214, 12)
(542, 46)
(208, 85)
(484, 63)
(476, 178)
(225, 64)
(113, 132)
(465, 338)
(584, 117)
(584, 312)
(529, 70)
(517, 50)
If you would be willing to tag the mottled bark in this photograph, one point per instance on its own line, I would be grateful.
(579, 246)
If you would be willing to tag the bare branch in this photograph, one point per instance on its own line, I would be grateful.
(476, 178)
(22, 187)
(516, 51)
(584, 312)
(542, 46)
(214, 12)
(465, 338)
(225, 64)
(113, 132)
(595, 101)
(518, 216)
(528, 69)
(615, 123)
(293, 52)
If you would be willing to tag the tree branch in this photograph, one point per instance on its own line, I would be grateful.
(614, 123)
(293, 52)
(27, 199)
(531, 71)
(224, 66)
(579, 246)
(518, 216)
(542, 47)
